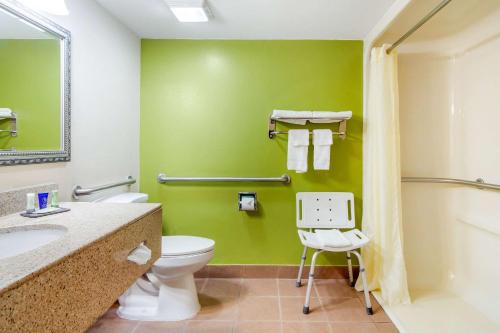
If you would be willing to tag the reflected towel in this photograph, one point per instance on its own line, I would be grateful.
(322, 140)
(298, 142)
(5, 112)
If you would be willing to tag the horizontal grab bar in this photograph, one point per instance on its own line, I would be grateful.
(78, 190)
(478, 183)
(163, 178)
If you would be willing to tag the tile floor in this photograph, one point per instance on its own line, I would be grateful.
(265, 306)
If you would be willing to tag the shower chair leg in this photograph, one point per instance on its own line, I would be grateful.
(362, 272)
(298, 283)
(349, 266)
(310, 282)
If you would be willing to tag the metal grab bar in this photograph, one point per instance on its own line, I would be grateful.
(78, 190)
(479, 183)
(163, 178)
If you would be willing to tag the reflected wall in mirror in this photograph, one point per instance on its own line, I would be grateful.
(34, 87)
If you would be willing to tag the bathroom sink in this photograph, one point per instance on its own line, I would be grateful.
(17, 240)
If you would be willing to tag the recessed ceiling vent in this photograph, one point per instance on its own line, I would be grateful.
(190, 10)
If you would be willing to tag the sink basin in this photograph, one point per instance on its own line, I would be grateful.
(17, 240)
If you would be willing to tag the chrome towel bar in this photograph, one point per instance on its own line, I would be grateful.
(478, 183)
(272, 132)
(163, 178)
(79, 191)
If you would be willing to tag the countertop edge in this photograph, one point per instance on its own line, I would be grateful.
(40, 271)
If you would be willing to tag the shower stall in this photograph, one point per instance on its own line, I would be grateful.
(449, 102)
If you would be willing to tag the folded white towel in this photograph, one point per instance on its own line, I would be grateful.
(298, 142)
(333, 117)
(292, 114)
(5, 112)
(322, 140)
(332, 238)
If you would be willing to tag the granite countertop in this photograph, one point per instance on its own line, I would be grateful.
(85, 224)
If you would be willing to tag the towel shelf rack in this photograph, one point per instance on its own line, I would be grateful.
(478, 183)
(79, 191)
(285, 179)
(272, 132)
(13, 124)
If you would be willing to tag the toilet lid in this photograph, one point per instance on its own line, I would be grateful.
(185, 245)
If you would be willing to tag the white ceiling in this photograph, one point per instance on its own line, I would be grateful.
(254, 19)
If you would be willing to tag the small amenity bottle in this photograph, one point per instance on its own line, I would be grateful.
(54, 199)
(30, 202)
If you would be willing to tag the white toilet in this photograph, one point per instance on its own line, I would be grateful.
(167, 292)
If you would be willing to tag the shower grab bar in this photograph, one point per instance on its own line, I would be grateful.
(79, 191)
(163, 178)
(478, 183)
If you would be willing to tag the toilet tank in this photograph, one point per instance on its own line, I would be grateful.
(127, 198)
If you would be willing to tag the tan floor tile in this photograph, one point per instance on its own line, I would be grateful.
(259, 287)
(379, 315)
(345, 310)
(222, 287)
(287, 288)
(386, 328)
(116, 325)
(291, 310)
(161, 327)
(258, 327)
(255, 307)
(209, 327)
(353, 328)
(259, 308)
(301, 327)
(338, 288)
(111, 313)
(217, 308)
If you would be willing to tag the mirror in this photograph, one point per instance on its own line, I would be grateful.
(34, 88)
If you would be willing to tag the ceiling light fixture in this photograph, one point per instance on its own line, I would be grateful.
(190, 10)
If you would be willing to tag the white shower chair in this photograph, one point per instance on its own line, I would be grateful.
(323, 213)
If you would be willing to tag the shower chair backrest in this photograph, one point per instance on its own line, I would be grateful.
(325, 210)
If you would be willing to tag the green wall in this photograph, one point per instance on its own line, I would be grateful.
(204, 111)
(30, 86)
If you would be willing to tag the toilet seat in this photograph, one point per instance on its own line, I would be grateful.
(175, 246)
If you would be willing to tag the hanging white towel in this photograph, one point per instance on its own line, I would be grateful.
(322, 140)
(298, 142)
(330, 116)
(292, 114)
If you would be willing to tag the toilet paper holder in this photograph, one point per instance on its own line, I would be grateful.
(244, 198)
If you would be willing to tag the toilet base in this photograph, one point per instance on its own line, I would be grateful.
(169, 300)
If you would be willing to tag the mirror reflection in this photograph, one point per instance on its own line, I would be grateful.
(30, 86)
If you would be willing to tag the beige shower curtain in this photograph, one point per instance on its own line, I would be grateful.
(384, 260)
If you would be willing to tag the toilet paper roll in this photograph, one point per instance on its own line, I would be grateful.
(140, 255)
(247, 203)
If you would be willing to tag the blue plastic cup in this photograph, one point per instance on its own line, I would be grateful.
(43, 197)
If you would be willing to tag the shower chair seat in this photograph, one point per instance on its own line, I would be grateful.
(323, 213)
